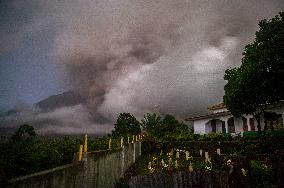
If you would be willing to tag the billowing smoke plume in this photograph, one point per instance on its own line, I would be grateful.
(165, 56)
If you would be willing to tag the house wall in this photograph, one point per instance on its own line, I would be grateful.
(204, 126)
(219, 126)
(208, 128)
(199, 126)
(278, 110)
(238, 122)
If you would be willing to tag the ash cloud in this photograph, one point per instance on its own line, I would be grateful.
(165, 56)
(69, 120)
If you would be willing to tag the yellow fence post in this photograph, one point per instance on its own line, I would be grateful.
(85, 144)
(80, 153)
(132, 138)
(109, 144)
(128, 139)
(121, 142)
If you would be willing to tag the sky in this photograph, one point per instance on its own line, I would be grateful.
(166, 56)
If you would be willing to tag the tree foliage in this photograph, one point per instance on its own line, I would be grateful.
(166, 128)
(24, 133)
(260, 78)
(126, 125)
(152, 123)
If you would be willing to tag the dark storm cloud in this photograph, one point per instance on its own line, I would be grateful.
(166, 56)
(144, 56)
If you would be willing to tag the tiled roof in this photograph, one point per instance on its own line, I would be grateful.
(226, 112)
(213, 115)
(217, 106)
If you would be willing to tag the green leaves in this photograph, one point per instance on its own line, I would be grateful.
(260, 78)
(24, 133)
(21, 158)
(166, 128)
(126, 125)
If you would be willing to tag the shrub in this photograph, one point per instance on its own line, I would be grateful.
(261, 175)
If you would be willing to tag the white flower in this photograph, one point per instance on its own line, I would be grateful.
(170, 161)
(244, 172)
(177, 155)
(149, 165)
(229, 162)
(176, 164)
(186, 155)
(264, 166)
(208, 167)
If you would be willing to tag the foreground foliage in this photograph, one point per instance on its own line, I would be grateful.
(21, 158)
(24, 153)
(260, 78)
(250, 162)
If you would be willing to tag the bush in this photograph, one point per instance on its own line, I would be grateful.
(261, 175)
(216, 137)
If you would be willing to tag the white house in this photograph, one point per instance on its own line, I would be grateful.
(220, 120)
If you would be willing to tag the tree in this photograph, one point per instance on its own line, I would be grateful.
(259, 80)
(126, 125)
(172, 128)
(24, 133)
(151, 123)
(166, 128)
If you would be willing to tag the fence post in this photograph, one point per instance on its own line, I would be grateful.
(85, 159)
(134, 152)
(85, 144)
(140, 152)
(109, 144)
(80, 153)
(121, 142)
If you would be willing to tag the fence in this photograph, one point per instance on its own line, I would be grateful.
(180, 180)
(98, 169)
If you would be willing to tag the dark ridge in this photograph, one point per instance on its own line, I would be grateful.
(68, 98)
